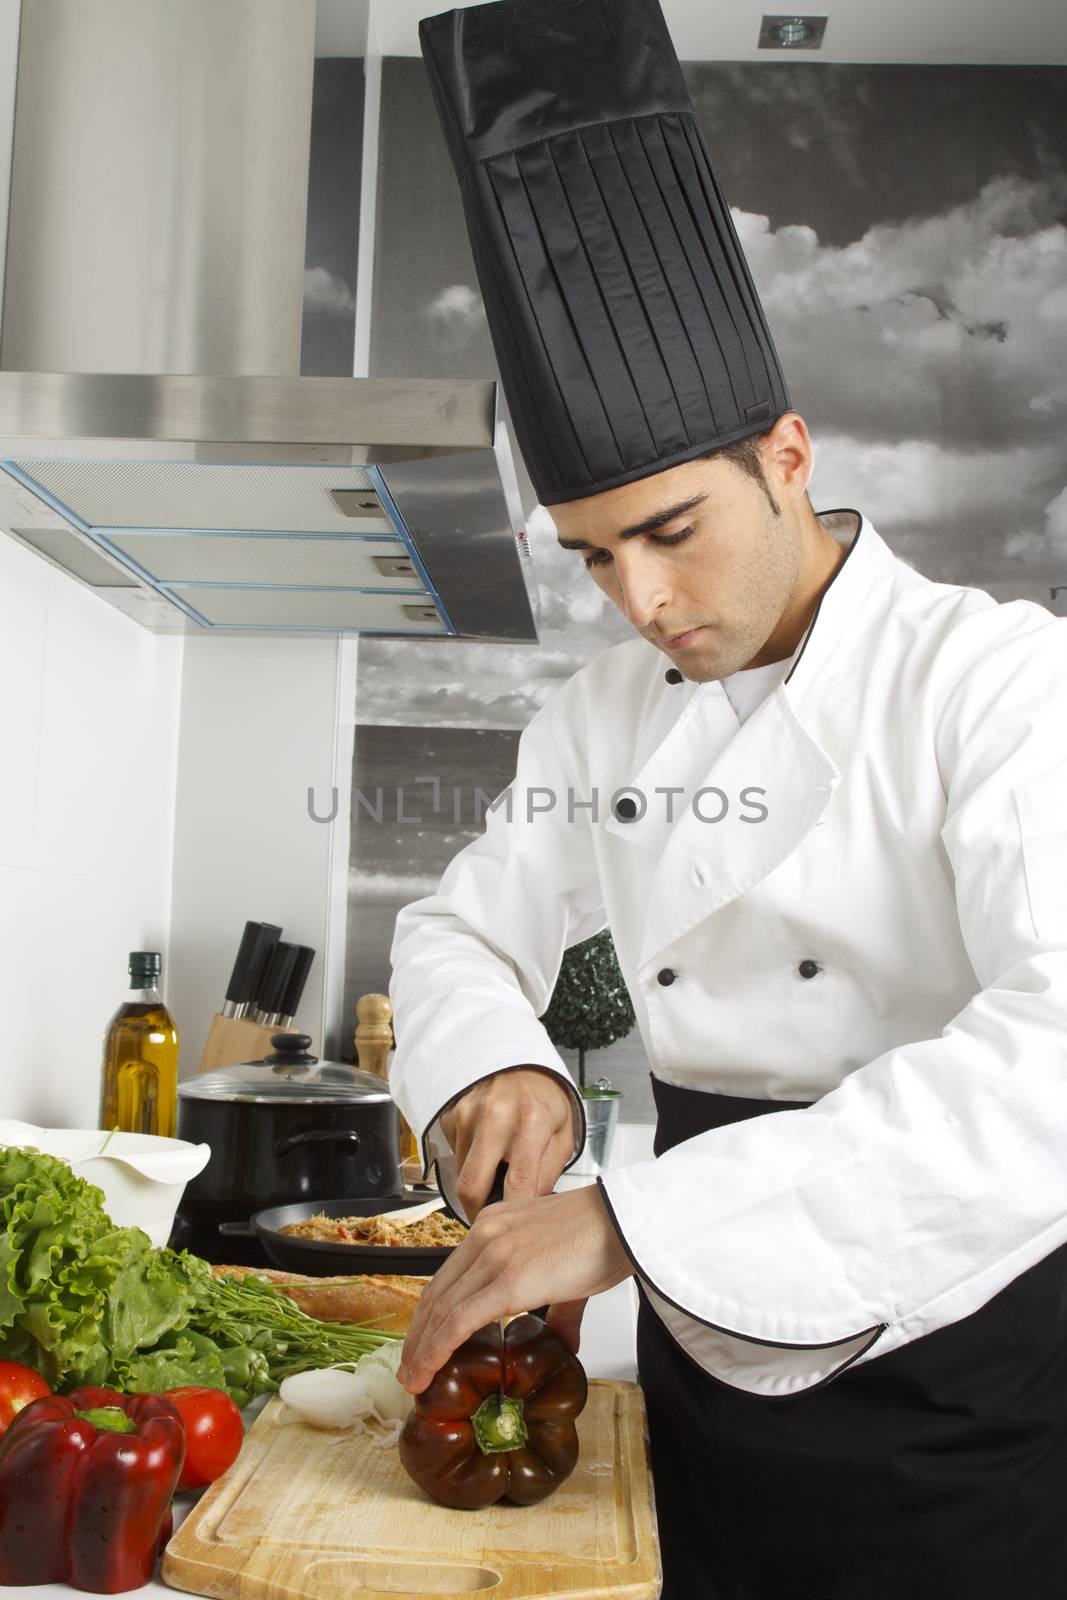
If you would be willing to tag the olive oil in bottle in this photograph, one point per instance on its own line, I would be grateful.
(139, 1092)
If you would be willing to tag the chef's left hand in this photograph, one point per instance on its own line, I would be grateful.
(554, 1250)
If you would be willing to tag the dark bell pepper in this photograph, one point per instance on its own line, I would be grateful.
(477, 1434)
(86, 1481)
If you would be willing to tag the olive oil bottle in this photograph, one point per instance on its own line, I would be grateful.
(139, 1090)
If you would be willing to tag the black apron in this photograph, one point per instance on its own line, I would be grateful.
(935, 1472)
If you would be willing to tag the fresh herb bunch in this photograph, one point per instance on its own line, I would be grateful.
(84, 1302)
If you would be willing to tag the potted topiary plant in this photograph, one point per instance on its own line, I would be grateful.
(590, 1008)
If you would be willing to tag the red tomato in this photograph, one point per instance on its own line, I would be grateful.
(18, 1386)
(214, 1433)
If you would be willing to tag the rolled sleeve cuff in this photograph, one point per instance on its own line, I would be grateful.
(765, 1368)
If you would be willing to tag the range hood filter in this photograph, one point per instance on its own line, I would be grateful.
(271, 547)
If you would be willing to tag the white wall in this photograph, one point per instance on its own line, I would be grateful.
(153, 794)
(10, 15)
(88, 741)
(262, 721)
(88, 756)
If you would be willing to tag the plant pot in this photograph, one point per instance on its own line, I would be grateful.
(601, 1104)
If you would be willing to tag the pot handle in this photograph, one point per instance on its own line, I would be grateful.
(317, 1136)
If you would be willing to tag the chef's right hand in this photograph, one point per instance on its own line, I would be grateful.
(521, 1116)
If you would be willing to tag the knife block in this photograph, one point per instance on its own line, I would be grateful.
(232, 1040)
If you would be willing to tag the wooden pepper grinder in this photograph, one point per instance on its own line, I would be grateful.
(374, 1040)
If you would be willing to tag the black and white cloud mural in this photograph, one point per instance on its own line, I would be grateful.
(906, 228)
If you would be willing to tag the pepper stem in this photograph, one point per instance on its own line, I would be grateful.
(108, 1419)
(499, 1424)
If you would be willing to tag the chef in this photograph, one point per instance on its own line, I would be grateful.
(821, 803)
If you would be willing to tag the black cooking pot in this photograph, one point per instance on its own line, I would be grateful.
(287, 1128)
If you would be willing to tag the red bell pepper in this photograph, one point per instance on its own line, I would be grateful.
(85, 1486)
(497, 1422)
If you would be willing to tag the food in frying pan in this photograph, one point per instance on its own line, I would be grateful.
(429, 1232)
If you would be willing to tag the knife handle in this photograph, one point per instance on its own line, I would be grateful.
(497, 1191)
(269, 995)
(270, 937)
(257, 943)
(294, 989)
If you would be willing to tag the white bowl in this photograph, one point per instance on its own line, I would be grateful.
(142, 1175)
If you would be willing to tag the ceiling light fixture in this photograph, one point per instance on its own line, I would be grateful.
(791, 33)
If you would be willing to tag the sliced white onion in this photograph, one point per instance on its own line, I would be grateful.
(395, 1427)
(378, 1371)
(335, 1397)
(327, 1397)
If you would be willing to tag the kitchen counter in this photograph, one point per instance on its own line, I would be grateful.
(608, 1346)
(607, 1351)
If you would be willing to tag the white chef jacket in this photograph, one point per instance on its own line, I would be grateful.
(896, 821)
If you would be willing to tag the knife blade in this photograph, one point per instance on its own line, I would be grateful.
(502, 1349)
(496, 1193)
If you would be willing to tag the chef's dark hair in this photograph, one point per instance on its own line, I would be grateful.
(745, 454)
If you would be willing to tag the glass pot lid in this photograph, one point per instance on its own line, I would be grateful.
(291, 1074)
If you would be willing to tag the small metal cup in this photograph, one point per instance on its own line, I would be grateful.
(601, 1116)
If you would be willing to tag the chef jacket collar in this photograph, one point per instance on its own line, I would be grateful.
(836, 621)
(771, 761)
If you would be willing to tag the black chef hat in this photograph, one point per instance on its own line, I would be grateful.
(627, 330)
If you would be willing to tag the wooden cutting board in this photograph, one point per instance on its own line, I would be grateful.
(309, 1515)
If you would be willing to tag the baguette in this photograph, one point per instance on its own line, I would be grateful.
(391, 1297)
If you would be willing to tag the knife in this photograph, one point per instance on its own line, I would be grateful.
(496, 1193)
(271, 992)
(294, 989)
(257, 944)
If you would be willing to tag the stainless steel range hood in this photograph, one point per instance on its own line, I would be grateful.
(156, 438)
(267, 504)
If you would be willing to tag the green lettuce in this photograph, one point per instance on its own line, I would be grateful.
(85, 1302)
